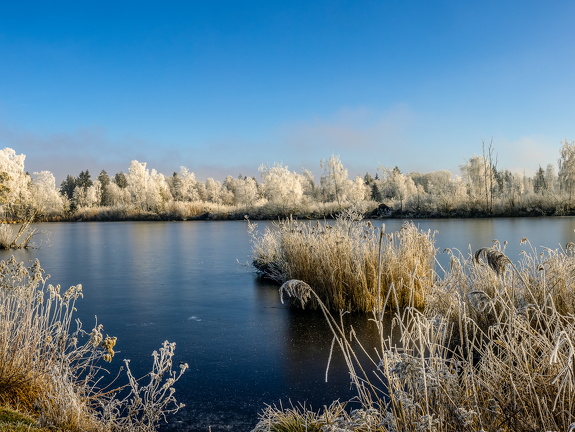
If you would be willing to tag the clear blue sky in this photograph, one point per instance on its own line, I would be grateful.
(223, 86)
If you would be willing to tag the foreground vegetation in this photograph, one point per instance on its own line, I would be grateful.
(52, 370)
(492, 348)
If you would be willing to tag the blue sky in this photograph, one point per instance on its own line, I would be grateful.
(223, 86)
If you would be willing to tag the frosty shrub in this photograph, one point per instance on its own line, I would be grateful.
(51, 367)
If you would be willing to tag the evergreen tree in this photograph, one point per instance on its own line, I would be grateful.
(539, 182)
(121, 180)
(84, 181)
(105, 181)
(67, 186)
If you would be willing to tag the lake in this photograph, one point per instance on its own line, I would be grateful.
(191, 283)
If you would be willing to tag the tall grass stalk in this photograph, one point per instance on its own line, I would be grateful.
(341, 261)
(493, 349)
(52, 368)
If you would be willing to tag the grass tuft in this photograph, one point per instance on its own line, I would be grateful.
(340, 261)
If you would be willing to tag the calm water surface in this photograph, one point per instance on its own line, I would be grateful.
(190, 282)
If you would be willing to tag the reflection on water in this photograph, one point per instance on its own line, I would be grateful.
(187, 282)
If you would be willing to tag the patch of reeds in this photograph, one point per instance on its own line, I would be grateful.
(340, 261)
(494, 349)
(51, 368)
(13, 236)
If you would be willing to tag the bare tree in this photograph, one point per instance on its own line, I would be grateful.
(490, 169)
(567, 170)
(334, 179)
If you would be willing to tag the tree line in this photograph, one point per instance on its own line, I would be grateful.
(480, 189)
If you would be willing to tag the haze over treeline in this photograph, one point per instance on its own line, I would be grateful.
(482, 188)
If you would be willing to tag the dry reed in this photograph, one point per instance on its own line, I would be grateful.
(341, 261)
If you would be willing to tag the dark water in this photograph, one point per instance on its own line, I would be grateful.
(190, 282)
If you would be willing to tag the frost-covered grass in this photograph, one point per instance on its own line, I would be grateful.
(51, 368)
(493, 349)
(341, 261)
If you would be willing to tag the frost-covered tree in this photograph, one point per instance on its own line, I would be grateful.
(374, 186)
(148, 190)
(227, 192)
(396, 185)
(479, 175)
(334, 180)
(281, 186)
(310, 189)
(551, 178)
(447, 191)
(16, 184)
(247, 192)
(88, 197)
(358, 191)
(213, 191)
(4, 189)
(118, 196)
(161, 191)
(175, 184)
(75, 189)
(244, 190)
(515, 189)
(187, 187)
(47, 199)
(139, 184)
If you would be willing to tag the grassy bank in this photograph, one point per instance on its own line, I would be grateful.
(492, 349)
(51, 369)
(182, 211)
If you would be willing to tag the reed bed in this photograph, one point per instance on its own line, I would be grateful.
(493, 350)
(52, 369)
(341, 261)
